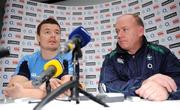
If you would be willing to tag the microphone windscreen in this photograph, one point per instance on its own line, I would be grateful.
(4, 52)
(81, 34)
(59, 67)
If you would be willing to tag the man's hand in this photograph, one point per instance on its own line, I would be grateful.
(165, 81)
(14, 91)
(54, 82)
(152, 91)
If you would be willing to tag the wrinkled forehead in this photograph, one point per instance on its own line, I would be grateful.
(50, 26)
(125, 20)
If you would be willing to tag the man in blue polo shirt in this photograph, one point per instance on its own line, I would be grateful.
(31, 66)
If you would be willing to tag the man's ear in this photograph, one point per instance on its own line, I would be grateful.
(38, 39)
(141, 31)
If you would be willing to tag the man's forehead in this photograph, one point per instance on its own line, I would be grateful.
(125, 17)
(50, 26)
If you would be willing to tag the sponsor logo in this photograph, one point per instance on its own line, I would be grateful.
(61, 18)
(95, 12)
(160, 33)
(90, 76)
(167, 2)
(61, 7)
(30, 26)
(27, 50)
(137, 7)
(170, 15)
(147, 4)
(29, 37)
(89, 8)
(77, 23)
(19, 24)
(105, 32)
(104, 10)
(90, 28)
(15, 29)
(177, 36)
(13, 42)
(106, 44)
(16, 49)
(31, 14)
(18, 36)
(151, 29)
(116, 3)
(176, 21)
(158, 19)
(149, 65)
(176, 29)
(14, 62)
(105, 21)
(90, 63)
(31, 3)
(77, 13)
(120, 60)
(17, 5)
(13, 56)
(49, 11)
(156, 6)
(174, 45)
(173, 6)
(149, 16)
(63, 29)
(9, 69)
(91, 89)
(5, 84)
(89, 51)
(89, 18)
(133, 3)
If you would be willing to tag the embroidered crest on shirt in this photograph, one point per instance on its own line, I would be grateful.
(120, 60)
(149, 58)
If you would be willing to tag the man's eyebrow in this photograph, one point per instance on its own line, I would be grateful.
(46, 28)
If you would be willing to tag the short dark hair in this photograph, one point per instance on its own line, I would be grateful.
(47, 21)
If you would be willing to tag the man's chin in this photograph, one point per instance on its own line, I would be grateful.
(52, 49)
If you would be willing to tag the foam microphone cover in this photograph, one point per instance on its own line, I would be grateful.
(4, 52)
(82, 34)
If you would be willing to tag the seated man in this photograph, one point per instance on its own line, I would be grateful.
(31, 66)
(139, 68)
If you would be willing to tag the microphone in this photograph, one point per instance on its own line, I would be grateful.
(4, 52)
(52, 68)
(77, 37)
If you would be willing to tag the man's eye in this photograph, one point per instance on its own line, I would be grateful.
(57, 33)
(47, 32)
(125, 30)
(117, 31)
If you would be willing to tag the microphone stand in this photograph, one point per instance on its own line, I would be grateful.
(48, 87)
(73, 84)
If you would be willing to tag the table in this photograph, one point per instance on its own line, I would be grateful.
(91, 105)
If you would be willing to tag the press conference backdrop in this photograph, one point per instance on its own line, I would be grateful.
(161, 18)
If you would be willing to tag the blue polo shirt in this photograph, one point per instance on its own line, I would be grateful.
(32, 66)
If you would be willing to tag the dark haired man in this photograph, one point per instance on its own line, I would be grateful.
(31, 66)
(138, 67)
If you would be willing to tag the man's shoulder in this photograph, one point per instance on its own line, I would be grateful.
(158, 48)
(32, 56)
(112, 54)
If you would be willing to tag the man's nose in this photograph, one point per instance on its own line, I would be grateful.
(53, 34)
(119, 34)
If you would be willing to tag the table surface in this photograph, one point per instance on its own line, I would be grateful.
(128, 104)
